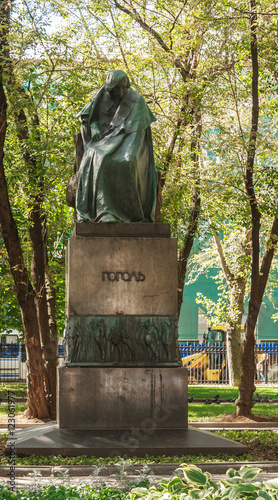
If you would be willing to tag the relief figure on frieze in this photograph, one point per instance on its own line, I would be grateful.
(167, 336)
(96, 340)
(121, 347)
(148, 338)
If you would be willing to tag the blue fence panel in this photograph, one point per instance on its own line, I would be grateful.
(209, 364)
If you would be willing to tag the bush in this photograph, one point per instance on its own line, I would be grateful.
(196, 485)
(190, 483)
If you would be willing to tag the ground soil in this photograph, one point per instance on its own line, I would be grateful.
(20, 418)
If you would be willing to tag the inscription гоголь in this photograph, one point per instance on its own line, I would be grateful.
(123, 275)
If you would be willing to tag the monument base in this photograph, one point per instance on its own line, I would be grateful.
(102, 398)
(48, 439)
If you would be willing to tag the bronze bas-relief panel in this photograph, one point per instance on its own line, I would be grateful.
(123, 341)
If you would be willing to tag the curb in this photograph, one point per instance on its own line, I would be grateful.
(235, 425)
(199, 425)
(19, 426)
(157, 469)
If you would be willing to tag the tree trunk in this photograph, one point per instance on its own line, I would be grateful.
(245, 401)
(188, 244)
(258, 284)
(236, 309)
(192, 225)
(237, 284)
(37, 403)
(48, 345)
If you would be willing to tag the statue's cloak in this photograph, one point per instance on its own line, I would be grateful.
(117, 178)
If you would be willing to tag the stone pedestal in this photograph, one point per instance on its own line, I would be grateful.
(122, 369)
(122, 398)
(121, 390)
(121, 301)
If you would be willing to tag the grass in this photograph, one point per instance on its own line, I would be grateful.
(197, 412)
(197, 392)
(4, 409)
(225, 392)
(263, 444)
(18, 390)
(57, 460)
(204, 413)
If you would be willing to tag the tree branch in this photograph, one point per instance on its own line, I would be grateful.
(192, 225)
(228, 274)
(249, 184)
(136, 16)
(271, 246)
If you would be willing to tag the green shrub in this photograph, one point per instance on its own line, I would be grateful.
(190, 483)
(64, 493)
(198, 485)
(263, 443)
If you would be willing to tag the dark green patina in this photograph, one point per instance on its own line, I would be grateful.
(117, 179)
(121, 340)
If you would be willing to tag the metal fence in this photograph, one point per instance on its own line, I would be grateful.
(206, 364)
(209, 364)
(13, 362)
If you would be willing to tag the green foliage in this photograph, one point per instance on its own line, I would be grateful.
(19, 408)
(197, 485)
(64, 493)
(261, 443)
(190, 483)
(59, 65)
(57, 460)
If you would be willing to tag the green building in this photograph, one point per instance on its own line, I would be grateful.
(192, 322)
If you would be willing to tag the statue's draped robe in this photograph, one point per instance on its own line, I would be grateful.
(117, 179)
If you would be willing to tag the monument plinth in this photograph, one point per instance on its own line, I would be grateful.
(121, 338)
(121, 389)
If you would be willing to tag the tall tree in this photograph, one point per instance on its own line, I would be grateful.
(260, 271)
(32, 186)
(25, 295)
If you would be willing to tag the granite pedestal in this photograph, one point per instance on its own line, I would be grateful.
(122, 389)
(122, 398)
